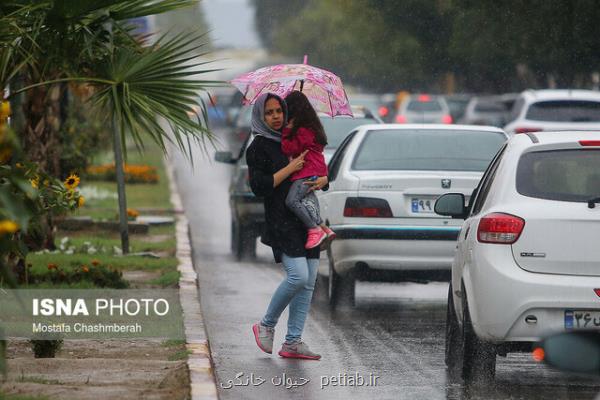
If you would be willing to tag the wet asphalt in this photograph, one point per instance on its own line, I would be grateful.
(390, 346)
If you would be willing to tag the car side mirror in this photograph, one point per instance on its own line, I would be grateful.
(225, 157)
(576, 351)
(452, 205)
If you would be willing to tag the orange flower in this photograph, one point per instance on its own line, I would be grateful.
(133, 213)
(80, 201)
(52, 266)
(85, 268)
(95, 262)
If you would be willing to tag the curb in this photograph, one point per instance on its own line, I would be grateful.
(202, 379)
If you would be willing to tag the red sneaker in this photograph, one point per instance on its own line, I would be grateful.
(315, 237)
(330, 234)
(298, 350)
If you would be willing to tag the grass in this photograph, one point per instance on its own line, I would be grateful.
(139, 195)
(21, 397)
(173, 342)
(180, 355)
(40, 380)
(167, 279)
(108, 240)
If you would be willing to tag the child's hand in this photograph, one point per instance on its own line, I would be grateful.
(297, 163)
(317, 184)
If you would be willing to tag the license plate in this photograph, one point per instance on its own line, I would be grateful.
(582, 320)
(421, 206)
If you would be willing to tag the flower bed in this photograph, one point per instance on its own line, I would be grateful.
(133, 173)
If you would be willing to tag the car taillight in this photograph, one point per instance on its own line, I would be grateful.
(447, 119)
(401, 119)
(527, 130)
(383, 111)
(367, 207)
(589, 142)
(500, 228)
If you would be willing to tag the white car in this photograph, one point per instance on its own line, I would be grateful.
(383, 183)
(339, 127)
(423, 109)
(527, 264)
(554, 110)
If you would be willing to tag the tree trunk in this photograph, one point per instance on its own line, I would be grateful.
(41, 140)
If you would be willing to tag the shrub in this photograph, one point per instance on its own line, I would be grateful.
(100, 275)
(45, 345)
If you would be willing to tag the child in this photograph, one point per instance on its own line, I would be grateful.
(305, 132)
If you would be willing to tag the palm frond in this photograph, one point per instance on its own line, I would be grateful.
(154, 90)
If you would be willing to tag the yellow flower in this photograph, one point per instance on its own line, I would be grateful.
(72, 181)
(8, 226)
(5, 109)
(46, 182)
(70, 194)
(19, 165)
(81, 201)
(35, 183)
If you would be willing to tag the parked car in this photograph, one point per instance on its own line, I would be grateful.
(241, 127)
(383, 183)
(485, 110)
(457, 103)
(527, 259)
(337, 128)
(377, 104)
(423, 109)
(247, 211)
(547, 110)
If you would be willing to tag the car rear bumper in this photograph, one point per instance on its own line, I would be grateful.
(248, 208)
(394, 248)
(504, 299)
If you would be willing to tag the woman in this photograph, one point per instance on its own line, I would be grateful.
(269, 172)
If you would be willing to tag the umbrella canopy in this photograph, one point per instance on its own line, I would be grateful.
(323, 88)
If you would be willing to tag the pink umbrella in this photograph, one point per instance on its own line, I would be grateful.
(323, 88)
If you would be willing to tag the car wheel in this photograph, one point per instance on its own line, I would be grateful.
(243, 241)
(340, 287)
(454, 342)
(479, 357)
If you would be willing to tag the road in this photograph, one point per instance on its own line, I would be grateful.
(396, 331)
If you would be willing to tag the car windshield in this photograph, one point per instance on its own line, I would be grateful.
(563, 175)
(338, 128)
(424, 106)
(427, 150)
(565, 111)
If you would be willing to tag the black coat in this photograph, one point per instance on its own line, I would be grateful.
(284, 232)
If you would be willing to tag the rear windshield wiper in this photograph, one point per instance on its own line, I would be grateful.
(592, 202)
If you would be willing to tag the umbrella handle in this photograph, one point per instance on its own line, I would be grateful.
(301, 84)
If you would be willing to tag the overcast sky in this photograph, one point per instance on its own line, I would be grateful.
(231, 23)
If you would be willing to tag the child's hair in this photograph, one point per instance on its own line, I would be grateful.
(304, 115)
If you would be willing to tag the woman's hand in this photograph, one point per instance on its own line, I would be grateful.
(317, 184)
(296, 164)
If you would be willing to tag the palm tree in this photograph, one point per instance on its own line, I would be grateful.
(52, 42)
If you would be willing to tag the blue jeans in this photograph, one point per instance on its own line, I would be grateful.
(296, 290)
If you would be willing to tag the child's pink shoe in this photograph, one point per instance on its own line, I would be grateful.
(315, 237)
(330, 234)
